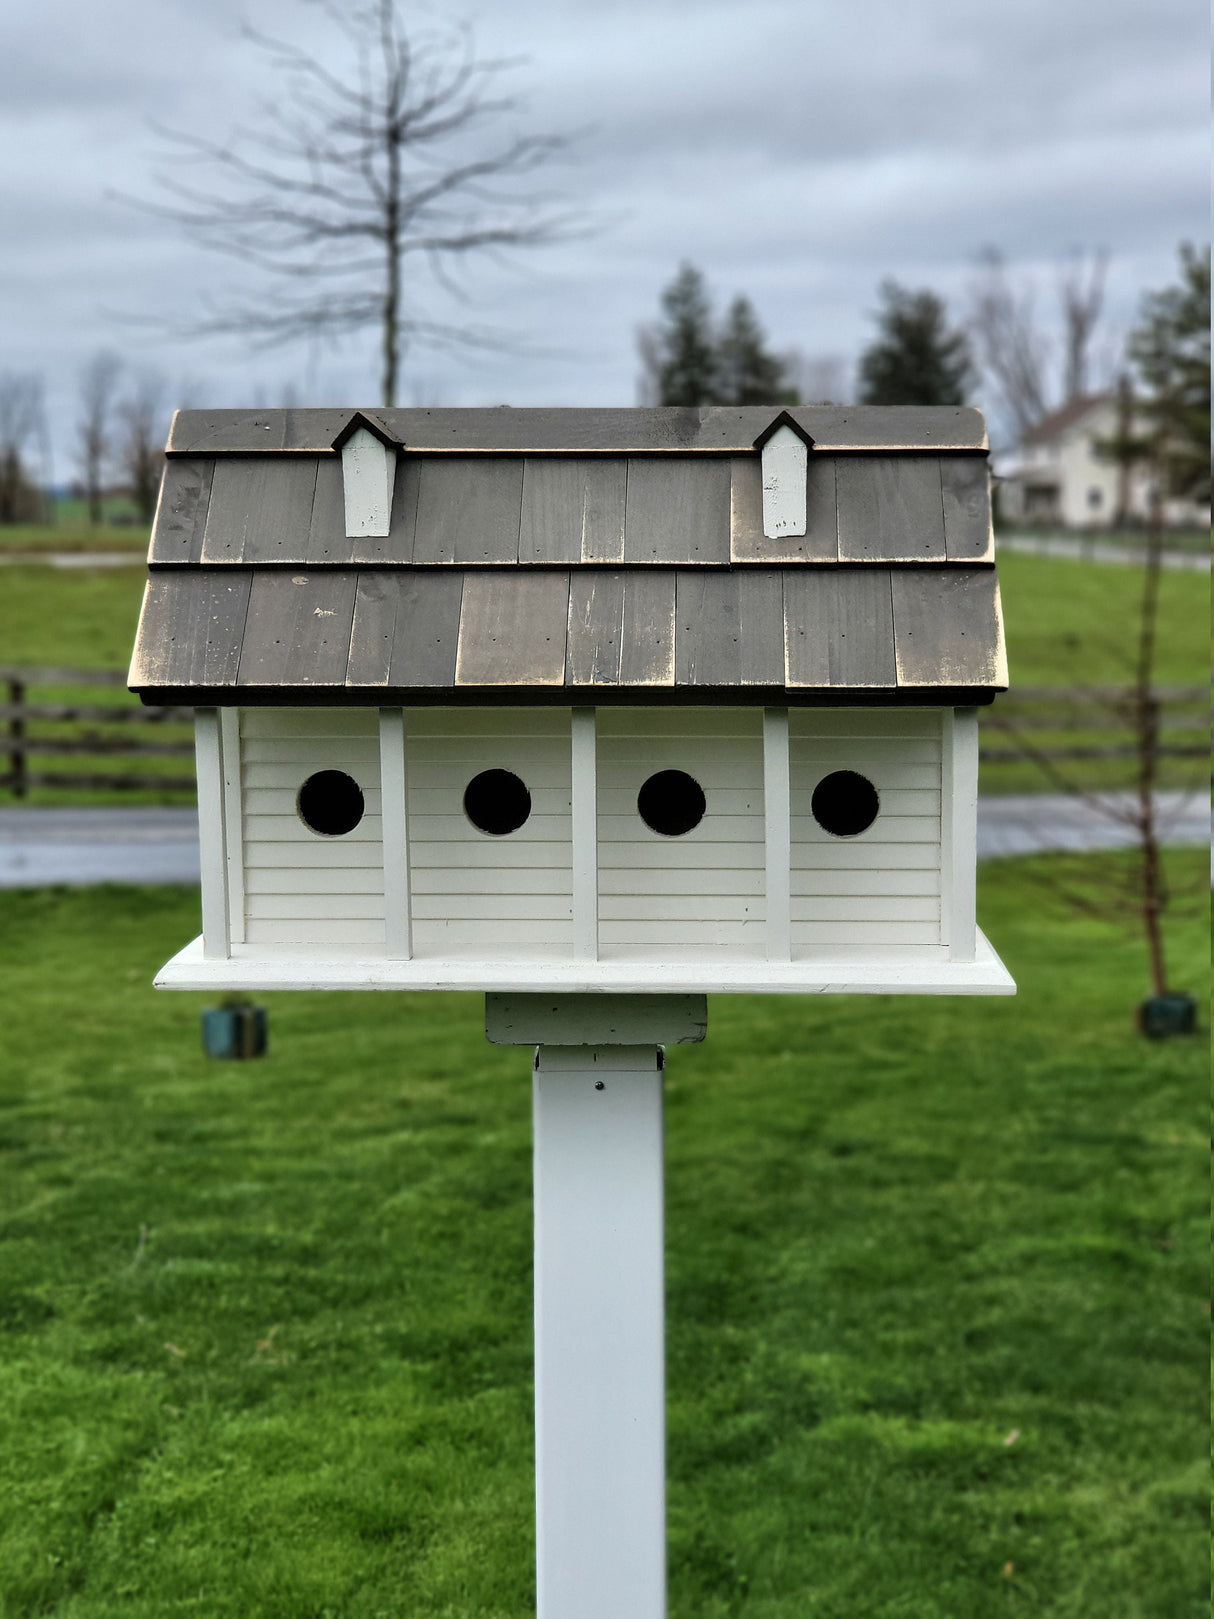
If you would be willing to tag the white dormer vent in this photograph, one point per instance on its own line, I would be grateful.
(785, 478)
(368, 469)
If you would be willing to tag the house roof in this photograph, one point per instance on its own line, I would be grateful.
(1059, 421)
(574, 555)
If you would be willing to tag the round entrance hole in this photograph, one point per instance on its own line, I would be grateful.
(331, 803)
(497, 802)
(845, 803)
(672, 802)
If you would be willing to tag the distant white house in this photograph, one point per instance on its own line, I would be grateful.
(1059, 474)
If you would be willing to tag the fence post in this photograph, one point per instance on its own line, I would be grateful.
(16, 739)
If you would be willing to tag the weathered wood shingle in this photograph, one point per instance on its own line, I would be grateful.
(567, 552)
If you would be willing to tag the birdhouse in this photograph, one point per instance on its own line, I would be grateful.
(584, 700)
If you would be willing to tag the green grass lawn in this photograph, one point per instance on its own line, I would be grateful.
(936, 1273)
(71, 531)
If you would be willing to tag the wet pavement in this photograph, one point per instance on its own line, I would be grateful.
(153, 845)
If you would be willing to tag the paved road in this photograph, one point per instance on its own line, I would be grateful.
(74, 559)
(149, 845)
(1077, 549)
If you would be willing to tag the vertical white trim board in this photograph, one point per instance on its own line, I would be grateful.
(398, 908)
(777, 812)
(368, 471)
(208, 756)
(959, 833)
(583, 760)
(233, 820)
(785, 460)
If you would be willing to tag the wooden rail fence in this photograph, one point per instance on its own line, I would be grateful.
(1034, 720)
(1029, 722)
(31, 730)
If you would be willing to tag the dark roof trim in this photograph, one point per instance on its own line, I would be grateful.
(571, 697)
(784, 419)
(712, 428)
(359, 418)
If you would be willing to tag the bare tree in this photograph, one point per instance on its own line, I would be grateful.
(1012, 351)
(22, 430)
(98, 386)
(1081, 293)
(355, 174)
(144, 430)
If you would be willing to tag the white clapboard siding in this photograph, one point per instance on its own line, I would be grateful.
(471, 891)
(301, 887)
(883, 886)
(704, 889)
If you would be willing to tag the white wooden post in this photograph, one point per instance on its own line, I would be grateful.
(777, 811)
(398, 918)
(600, 1426)
(585, 876)
(959, 832)
(212, 841)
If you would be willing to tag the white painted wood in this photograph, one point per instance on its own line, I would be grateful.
(785, 484)
(960, 833)
(294, 907)
(496, 908)
(233, 820)
(291, 895)
(329, 879)
(599, 1334)
(446, 724)
(836, 971)
(276, 724)
(212, 841)
(707, 724)
(672, 904)
(319, 931)
(778, 831)
(312, 856)
(845, 881)
(585, 834)
(595, 1020)
(865, 898)
(368, 470)
(515, 913)
(398, 923)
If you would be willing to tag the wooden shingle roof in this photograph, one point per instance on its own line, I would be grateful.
(574, 555)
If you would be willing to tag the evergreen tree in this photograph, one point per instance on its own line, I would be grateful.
(916, 359)
(1171, 349)
(687, 360)
(686, 352)
(748, 374)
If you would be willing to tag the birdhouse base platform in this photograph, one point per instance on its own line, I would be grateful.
(924, 970)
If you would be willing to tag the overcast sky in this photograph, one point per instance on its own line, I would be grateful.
(796, 150)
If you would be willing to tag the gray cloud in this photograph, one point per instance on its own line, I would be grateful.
(796, 149)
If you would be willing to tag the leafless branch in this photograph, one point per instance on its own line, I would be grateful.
(98, 384)
(1081, 293)
(395, 157)
(1011, 349)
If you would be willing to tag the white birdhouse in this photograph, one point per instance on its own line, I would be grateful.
(626, 700)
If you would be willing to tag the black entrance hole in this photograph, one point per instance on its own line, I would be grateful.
(845, 803)
(672, 802)
(497, 802)
(330, 802)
